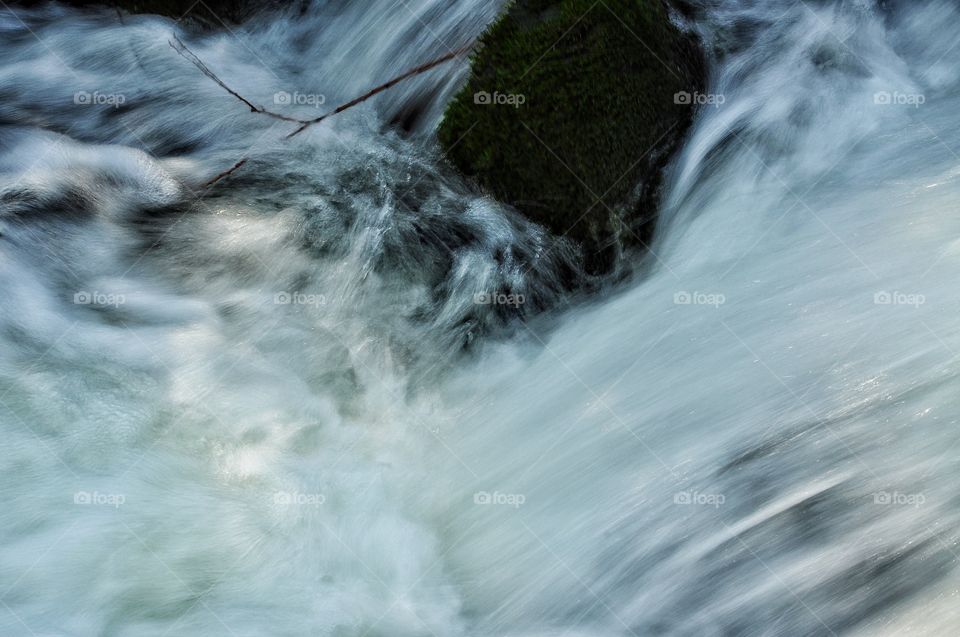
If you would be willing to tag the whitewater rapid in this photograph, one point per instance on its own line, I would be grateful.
(274, 407)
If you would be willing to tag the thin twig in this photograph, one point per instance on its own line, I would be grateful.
(415, 71)
(225, 173)
(181, 48)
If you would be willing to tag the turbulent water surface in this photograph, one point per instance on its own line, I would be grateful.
(274, 407)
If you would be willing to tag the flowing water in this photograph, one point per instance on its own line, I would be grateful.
(273, 406)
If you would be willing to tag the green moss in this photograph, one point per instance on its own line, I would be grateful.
(582, 154)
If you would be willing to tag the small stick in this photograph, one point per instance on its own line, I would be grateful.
(379, 89)
(181, 48)
(225, 173)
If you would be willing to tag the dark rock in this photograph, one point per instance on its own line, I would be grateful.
(571, 113)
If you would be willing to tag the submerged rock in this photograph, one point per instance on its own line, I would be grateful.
(571, 112)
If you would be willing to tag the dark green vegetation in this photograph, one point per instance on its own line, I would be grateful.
(570, 116)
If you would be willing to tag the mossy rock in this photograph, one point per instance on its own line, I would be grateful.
(570, 115)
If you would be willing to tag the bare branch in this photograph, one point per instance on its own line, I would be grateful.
(182, 49)
(225, 173)
(415, 71)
